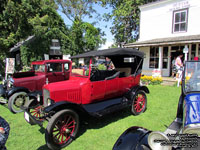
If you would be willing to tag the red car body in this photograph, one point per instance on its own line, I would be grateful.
(82, 90)
(34, 80)
(14, 91)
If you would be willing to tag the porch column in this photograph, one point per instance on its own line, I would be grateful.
(169, 60)
(160, 58)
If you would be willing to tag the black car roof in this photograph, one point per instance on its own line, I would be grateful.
(111, 52)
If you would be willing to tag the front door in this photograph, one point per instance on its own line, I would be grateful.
(112, 88)
(97, 90)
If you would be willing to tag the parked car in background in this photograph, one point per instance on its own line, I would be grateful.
(92, 92)
(183, 132)
(14, 90)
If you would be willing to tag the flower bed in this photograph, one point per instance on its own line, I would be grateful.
(150, 80)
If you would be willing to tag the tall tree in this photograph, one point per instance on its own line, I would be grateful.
(45, 28)
(22, 18)
(76, 9)
(125, 16)
(84, 36)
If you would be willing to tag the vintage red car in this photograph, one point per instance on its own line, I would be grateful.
(92, 92)
(14, 90)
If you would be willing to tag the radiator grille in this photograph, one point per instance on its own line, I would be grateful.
(46, 95)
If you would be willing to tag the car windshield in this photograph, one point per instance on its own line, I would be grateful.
(39, 68)
(192, 76)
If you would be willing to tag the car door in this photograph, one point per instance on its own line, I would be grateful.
(112, 88)
(126, 83)
(97, 90)
(55, 72)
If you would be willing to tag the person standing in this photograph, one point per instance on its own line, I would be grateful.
(4, 132)
(178, 62)
(179, 67)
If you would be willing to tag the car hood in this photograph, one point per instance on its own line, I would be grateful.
(69, 90)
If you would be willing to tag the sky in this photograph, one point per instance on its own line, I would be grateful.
(102, 24)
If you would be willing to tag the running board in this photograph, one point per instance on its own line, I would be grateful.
(101, 108)
(174, 127)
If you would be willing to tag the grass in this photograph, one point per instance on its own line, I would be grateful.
(99, 134)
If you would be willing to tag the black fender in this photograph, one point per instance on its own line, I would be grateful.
(134, 138)
(16, 89)
(131, 93)
(179, 113)
(35, 94)
(2, 90)
(55, 107)
(137, 88)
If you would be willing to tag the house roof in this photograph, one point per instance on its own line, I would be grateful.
(166, 41)
(153, 3)
(111, 52)
(19, 44)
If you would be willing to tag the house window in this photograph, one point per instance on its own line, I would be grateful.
(154, 57)
(180, 21)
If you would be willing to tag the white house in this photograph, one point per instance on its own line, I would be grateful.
(166, 27)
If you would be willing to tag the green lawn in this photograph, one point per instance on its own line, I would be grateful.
(99, 134)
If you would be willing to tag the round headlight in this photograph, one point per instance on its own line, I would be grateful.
(3, 82)
(49, 102)
(11, 80)
(9, 84)
(157, 141)
(192, 129)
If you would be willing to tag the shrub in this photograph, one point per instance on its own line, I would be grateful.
(101, 67)
(149, 80)
(25, 68)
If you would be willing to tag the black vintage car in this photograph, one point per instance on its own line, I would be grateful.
(183, 132)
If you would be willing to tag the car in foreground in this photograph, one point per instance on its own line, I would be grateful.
(91, 92)
(183, 133)
(14, 90)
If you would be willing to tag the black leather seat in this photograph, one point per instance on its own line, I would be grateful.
(99, 75)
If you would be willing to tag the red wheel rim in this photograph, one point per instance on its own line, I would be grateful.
(36, 112)
(63, 129)
(139, 102)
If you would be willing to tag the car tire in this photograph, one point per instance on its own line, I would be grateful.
(62, 129)
(16, 101)
(139, 103)
(33, 107)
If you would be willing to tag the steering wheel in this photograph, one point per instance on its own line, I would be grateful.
(95, 72)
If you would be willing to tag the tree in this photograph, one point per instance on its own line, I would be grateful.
(22, 18)
(45, 28)
(83, 35)
(125, 16)
(76, 9)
